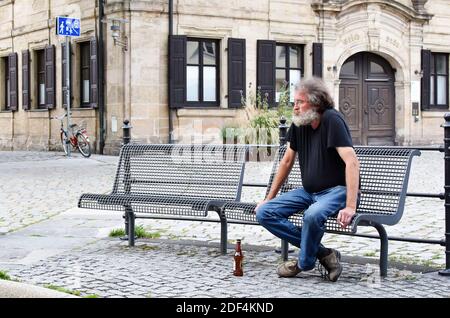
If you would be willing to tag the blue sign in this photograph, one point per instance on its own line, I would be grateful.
(68, 26)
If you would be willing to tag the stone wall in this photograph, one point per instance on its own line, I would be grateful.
(136, 78)
(30, 25)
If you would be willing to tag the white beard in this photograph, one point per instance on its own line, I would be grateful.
(305, 118)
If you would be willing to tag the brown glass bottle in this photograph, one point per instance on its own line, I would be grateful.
(238, 259)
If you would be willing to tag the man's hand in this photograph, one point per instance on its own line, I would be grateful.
(259, 204)
(345, 216)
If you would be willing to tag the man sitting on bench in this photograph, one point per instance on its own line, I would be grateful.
(330, 178)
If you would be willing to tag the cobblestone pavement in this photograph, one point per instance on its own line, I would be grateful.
(37, 187)
(109, 268)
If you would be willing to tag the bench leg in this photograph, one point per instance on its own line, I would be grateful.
(130, 217)
(125, 216)
(383, 249)
(223, 235)
(284, 250)
(223, 232)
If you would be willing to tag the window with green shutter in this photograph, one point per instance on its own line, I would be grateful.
(40, 78)
(439, 81)
(6, 83)
(85, 74)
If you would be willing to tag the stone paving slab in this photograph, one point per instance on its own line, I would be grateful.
(71, 229)
(156, 269)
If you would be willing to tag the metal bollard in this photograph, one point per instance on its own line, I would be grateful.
(446, 126)
(128, 215)
(126, 132)
(283, 132)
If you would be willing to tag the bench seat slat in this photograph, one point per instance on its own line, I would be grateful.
(146, 203)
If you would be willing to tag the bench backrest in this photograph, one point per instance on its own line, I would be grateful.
(384, 175)
(191, 171)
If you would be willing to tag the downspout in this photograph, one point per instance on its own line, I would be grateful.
(18, 106)
(168, 73)
(101, 75)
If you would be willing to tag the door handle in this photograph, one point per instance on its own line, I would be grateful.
(366, 110)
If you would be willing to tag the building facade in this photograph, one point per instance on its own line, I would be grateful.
(178, 69)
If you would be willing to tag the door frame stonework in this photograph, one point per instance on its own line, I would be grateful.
(383, 27)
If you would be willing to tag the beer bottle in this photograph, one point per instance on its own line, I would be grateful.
(238, 258)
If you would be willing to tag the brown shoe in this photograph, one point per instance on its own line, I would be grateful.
(288, 269)
(332, 264)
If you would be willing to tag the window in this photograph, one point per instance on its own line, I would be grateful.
(202, 72)
(85, 72)
(348, 69)
(8, 82)
(38, 89)
(289, 68)
(6, 88)
(376, 68)
(439, 80)
(40, 76)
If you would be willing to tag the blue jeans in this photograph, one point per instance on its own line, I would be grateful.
(273, 215)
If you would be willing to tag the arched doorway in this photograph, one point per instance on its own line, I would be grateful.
(367, 99)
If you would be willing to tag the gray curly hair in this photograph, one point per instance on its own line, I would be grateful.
(316, 93)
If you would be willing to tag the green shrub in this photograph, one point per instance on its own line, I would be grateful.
(264, 120)
(4, 276)
(139, 232)
(261, 123)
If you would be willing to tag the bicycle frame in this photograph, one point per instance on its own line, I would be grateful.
(71, 136)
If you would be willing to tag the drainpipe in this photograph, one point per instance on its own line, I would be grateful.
(101, 75)
(168, 73)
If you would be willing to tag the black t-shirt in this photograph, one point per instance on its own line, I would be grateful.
(320, 164)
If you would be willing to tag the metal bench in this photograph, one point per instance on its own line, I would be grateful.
(185, 182)
(172, 181)
(384, 174)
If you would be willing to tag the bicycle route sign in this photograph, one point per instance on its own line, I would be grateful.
(68, 26)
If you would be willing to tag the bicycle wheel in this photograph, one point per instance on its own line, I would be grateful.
(83, 145)
(65, 142)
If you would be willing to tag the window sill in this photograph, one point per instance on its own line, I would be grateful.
(434, 113)
(7, 114)
(206, 112)
(37, 110)
(200, 105)
(78, 108)
(81, 108)
(38, 113)
(83, 112)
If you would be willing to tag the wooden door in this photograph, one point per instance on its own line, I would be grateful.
(367, 99)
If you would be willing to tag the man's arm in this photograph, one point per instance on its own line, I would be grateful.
(348, 155)
(283, 171)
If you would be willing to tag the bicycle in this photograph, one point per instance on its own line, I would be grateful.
(77, 138)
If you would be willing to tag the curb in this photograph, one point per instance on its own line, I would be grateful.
(11, 289)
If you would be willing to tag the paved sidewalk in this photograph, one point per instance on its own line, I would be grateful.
(74, 253)
(46, 240)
